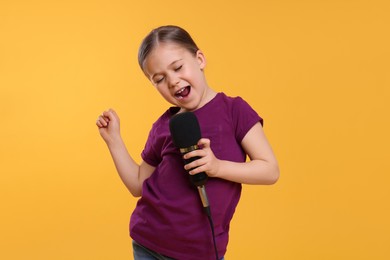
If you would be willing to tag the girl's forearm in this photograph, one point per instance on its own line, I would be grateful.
(251, 172)
(126, 167)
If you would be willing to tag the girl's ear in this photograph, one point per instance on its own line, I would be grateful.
(201, 59)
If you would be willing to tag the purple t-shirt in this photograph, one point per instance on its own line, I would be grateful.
(169, 217)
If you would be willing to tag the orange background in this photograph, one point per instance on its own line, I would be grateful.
(317, 71)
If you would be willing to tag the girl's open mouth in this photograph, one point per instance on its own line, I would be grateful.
(183, 92)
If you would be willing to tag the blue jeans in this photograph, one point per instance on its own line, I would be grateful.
(142, 253)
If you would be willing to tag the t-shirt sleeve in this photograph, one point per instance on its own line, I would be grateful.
(244, 118)
(149, 154)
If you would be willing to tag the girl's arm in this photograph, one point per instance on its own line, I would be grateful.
(261, 169)
(131, 174)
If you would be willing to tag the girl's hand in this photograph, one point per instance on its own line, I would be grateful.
(109, 126)
(208, 163)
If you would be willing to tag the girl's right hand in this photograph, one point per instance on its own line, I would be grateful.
(109, 126)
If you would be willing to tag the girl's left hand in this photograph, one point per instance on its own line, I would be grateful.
(207, 162)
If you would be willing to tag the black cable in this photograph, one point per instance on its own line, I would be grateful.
(206, 207)
(208, 212)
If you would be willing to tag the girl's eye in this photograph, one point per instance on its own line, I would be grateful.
(178, 68)
(159, 80)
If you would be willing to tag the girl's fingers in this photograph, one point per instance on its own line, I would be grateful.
(110, 114)
(102, 121)
(199, 153)
(193, 165)
(98, 123)
(113, 112)
(204, 143)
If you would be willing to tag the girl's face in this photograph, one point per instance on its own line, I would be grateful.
(178, 75)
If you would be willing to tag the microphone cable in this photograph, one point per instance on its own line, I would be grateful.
(213, 234)
(206, 207)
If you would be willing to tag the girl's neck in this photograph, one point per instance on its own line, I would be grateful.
(207, 96)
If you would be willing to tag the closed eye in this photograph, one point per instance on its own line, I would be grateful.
(159, 80)
(178, 68)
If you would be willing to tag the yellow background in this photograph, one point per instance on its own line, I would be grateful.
(317, 71)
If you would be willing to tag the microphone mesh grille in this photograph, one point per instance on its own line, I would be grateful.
(185, 130)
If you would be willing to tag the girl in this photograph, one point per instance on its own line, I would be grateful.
(168, 221)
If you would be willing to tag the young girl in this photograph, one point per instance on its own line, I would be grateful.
(168, 221)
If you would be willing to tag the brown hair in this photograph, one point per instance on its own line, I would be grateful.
(164, 34)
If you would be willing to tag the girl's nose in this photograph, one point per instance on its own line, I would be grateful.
(174, 81)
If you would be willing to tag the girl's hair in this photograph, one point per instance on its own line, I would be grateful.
(165, 34)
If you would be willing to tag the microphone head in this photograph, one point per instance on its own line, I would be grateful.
(185, 130)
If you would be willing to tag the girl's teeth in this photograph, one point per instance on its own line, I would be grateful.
(181, 93)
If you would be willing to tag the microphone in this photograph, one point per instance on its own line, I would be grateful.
(185, 132)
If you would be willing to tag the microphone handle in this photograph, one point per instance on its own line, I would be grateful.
(199, 180)
(203, 196)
